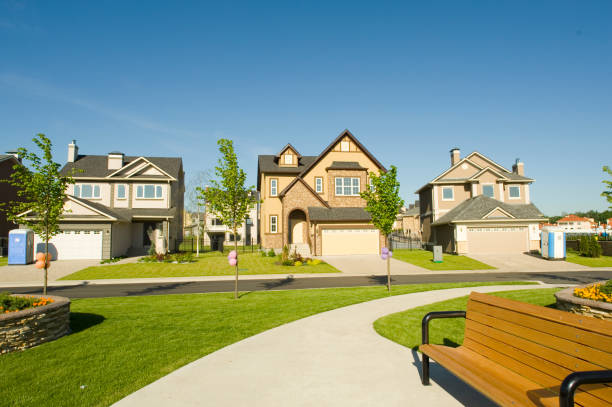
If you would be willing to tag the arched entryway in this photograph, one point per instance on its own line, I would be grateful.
(297, 227)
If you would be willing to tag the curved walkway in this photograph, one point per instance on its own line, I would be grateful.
(330, 359)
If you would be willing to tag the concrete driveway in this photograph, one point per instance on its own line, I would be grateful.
(512, 262)
(29, 274)
(370, 264)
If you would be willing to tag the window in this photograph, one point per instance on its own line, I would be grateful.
(371, 185)
(319, 184)
(487, 190)
(149, 191)
(288, 159)
(120, 191)
(87, 191)
(448, 194)
(344, 146)
(514, 192)
(273, 187)
(273, 224)
(347, 186)
(216, 222)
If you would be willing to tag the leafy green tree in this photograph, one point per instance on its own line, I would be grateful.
(608, 192)
(42, 191)
(227, 196)
(384, 203)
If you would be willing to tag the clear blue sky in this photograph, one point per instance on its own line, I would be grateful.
(409, 79)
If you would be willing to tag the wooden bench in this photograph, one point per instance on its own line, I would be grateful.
(520, 354)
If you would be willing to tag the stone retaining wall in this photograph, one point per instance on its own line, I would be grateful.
(33, 326)
(566, 301)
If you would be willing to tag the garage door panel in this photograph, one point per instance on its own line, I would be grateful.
(498, 239)
(350, 241)
(72, 244)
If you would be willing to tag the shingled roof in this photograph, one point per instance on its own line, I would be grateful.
(478, 207)
(97, 165)
(345, 165)
(269, 164)
(318, 214)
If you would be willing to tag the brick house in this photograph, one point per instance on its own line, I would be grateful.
(312, 203)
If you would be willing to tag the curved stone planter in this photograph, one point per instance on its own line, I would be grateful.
(566, 301)
(33, 326)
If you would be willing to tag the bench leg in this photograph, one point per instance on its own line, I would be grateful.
(425, 365)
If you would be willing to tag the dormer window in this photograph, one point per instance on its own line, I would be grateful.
(288, 159)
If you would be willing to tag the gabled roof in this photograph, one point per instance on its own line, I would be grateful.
(286, 147)
(487, 169)
(487, 159)
(300, 179)
(345, 165)
(5, 157)
(479, 207)
(96, 166)
(317, 214)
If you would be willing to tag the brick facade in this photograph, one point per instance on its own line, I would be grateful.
(346, 201)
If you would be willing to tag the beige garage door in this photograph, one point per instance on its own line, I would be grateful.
(350, 241)
(498, 239)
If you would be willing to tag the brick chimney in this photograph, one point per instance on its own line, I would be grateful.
(518, 168)
(455, 156)
(73, 152)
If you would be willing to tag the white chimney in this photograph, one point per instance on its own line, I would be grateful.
(15, 154)
(73, 151)
(115, 160)
(455, 156)
(518, 168)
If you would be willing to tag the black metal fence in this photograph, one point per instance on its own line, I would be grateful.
(190, 244)
(404, 241)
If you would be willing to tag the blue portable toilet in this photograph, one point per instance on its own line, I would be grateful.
(552, 243)
(21, 246)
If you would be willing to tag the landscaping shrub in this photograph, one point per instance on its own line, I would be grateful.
(606, 288)
(589, 246)
(596, 292)
(271, 253)
(14, 304)
(184, 257)
(297, 257)
(297, 263)
(264, 254)
(287, 263)
(285, 254)
(112, 260)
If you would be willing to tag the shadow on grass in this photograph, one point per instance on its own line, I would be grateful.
(79, 321)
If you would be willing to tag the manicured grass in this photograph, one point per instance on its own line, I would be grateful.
(575, 257)
(405, 327)
(424, 258)
(119, 345)
(3, 261)
(208, 264)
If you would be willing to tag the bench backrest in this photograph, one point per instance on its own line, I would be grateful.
(541, 344)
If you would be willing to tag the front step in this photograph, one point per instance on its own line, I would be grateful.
(303, 249)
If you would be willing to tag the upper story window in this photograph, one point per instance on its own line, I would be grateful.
(514, 191)
(448, 194)
(87, 191)
(121, 191)
(288, 159)
(273, 187)
(318, 184)
(347, 186)
(216, 222)
(487, 190)
(149, 191)
(344, 146)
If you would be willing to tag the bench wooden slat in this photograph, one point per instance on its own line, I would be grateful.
(583, 396)
(499, 384)
(577, 350)
(567, 318)
(570, 333)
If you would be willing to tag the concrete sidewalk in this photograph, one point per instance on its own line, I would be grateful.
(332, 359)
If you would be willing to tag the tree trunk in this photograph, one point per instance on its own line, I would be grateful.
(236, 249)
(388, 264)
(46, 264)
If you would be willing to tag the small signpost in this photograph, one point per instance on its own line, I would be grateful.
(437, 254)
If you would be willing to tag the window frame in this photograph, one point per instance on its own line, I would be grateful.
(94, 188)
(351, 185)
(452, 189)
(492, 190)
(288, 159)
(317, 185)
(275, 194)
(275, 224)
(141, 191)
(518, 188)
(124, 197)
(343, 144)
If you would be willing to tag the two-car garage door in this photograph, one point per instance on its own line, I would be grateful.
(513, 239)
(349, 241)
(73, 244)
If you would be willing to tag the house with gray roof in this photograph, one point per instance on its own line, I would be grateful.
(117, 204)
(8, 193)
(479, 206)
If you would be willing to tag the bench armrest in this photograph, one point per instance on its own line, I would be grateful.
(576, 379)
(437, 315)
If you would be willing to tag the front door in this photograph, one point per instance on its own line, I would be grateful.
(297, 233)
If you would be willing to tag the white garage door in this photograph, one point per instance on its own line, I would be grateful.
(73, 244)
(498, 239)
(349, 241)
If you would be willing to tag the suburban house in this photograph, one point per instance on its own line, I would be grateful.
(408, 221)
(478, 206)
(577, 224)
(118, 204)
(8, 193)
(312, 203)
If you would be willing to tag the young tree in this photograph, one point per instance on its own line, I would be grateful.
(227, 196)
(195, 204)
(384, 203)
(608, 192)
(42, 190)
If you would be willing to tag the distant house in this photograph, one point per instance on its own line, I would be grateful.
(8, 193)
(408, 221)
(478, 206)
(118, 204)
(577, 224)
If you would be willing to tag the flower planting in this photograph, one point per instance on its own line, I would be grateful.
(596, 292)
(9, 303)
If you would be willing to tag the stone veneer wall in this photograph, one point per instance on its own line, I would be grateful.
(566, 301)
(33, 326)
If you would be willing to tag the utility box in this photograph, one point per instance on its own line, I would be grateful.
(553, 243)
(437, 254)
(21, 246)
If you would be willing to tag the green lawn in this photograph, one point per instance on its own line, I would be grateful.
(575, 257)
(405, 327)
(3, 261)
(208, 264)
(119, 345)
(424, 258)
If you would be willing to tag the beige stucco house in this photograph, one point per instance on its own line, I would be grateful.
(115, 204)
(478, 206)
(408, 221)
(312, 203)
